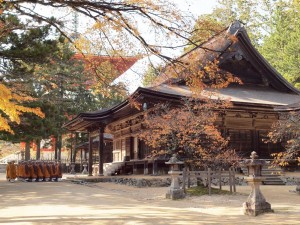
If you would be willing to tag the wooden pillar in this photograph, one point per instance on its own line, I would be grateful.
(85, 154)
(101, 150)
(131, 148)
(154, 171)
(80, 160)
(135, 148)
(71, 153)
(90, 168)
(255, 142)
(134, 169)
(146, 167)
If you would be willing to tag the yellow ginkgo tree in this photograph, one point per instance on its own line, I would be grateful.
(11, 108)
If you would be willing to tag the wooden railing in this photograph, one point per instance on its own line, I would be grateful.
(207, 176)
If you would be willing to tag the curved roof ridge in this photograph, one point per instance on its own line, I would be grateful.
(245, 37)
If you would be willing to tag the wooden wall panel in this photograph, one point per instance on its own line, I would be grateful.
(236, 122)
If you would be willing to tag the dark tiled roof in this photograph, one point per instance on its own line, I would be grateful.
(234, 93)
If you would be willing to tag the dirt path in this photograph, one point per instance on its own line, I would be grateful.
(106, 203)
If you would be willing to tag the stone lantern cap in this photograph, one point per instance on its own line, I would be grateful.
(254, 165)
(174, 160)
(253, 160)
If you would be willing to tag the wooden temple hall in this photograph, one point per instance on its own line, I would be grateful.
(254, 108)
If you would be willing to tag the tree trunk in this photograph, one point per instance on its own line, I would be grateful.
(38, 149)
(75, 150)
(27, 151)
(55, 148)
(59, 144)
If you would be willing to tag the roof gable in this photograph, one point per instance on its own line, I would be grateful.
(237, 55)
(245, 62)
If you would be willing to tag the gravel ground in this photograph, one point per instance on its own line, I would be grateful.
(107, 203)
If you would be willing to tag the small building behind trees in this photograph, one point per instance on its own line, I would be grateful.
(246, 121)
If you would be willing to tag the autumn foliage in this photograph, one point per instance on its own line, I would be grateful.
(287, 131)
(188, 131)
(11, 108)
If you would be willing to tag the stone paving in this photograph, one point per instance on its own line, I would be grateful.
(108, 203)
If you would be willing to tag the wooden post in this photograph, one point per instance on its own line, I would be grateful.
(154, 172)
(101, 150)
(134, 168)
(80, 160)
(135, 147)
(209, 180)
(233, 179)
(146, 167)
(188, 177)
(71, 150)
(230, 182)
(220, 179)
(90, 168)
(184, 174)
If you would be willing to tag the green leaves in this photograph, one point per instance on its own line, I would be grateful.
(281, 48)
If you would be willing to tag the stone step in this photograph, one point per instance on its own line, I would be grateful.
(273, 181)
(266, 171)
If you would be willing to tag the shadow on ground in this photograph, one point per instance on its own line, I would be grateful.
(68, 203)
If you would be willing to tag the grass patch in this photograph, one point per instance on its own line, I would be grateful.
(201, 190)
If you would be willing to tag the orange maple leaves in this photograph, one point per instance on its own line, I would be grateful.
(286, 130)
(188, 130)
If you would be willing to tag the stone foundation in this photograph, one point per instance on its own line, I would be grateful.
(152, 182)
(255, 209)
(175, 194)
(165, 182)
(298, 189)
(290, 180)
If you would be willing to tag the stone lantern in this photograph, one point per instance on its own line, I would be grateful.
(175, 192)
(85, 167)
(95, 170)
(256, 203)
(72, 168)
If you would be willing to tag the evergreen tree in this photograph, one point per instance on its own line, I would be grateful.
(254, 14)
(19, 53)
(281, 48)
